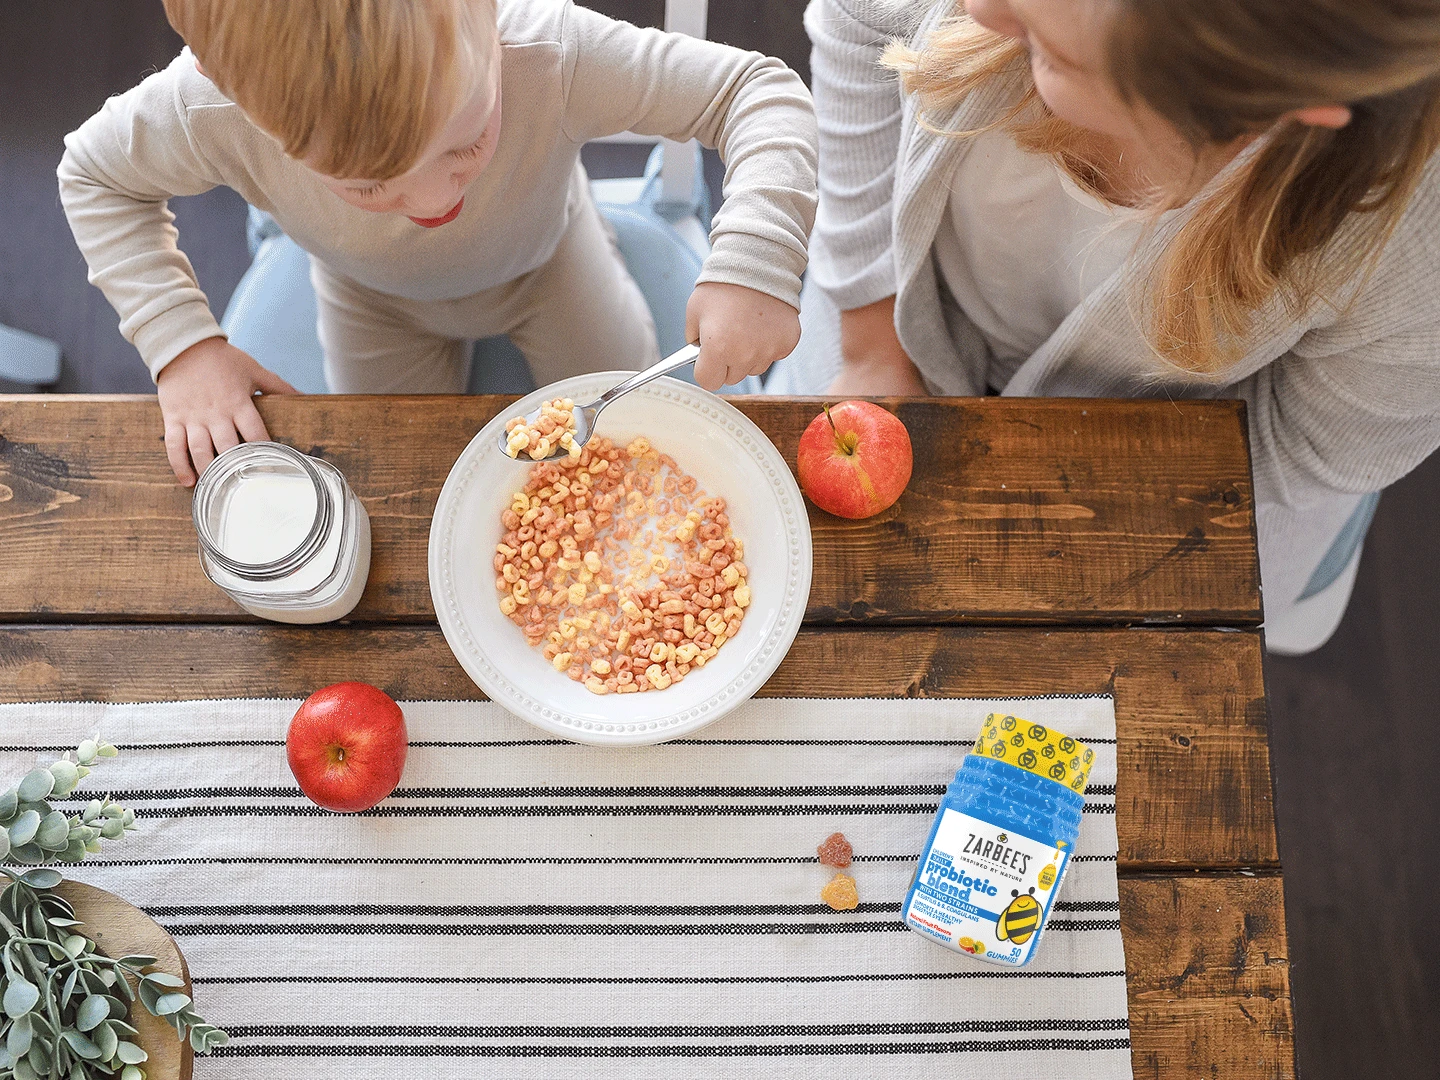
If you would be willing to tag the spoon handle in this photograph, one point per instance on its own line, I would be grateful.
(673, 362)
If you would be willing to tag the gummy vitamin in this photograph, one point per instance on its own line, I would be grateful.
(835, 851)
(840, 893)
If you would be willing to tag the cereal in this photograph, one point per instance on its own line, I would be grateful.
(835, 851)
(615, 565)
(840, 893)
(555, 428)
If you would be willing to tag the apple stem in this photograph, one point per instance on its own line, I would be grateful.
(833, 428)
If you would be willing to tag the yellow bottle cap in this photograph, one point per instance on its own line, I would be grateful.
(1037, 749)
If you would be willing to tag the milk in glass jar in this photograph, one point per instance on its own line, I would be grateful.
(282, 533)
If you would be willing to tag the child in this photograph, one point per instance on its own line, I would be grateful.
(373, 134)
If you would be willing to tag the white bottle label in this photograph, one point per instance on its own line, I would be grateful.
(984, 891)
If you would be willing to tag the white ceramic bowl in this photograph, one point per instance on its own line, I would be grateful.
(730, 457)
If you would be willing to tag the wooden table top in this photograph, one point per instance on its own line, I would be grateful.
(1043, 546)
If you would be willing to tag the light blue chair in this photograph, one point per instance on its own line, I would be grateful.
(27, 361)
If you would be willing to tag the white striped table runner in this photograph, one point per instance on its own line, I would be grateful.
(525, 907)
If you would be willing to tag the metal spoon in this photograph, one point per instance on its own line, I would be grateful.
(587, 415)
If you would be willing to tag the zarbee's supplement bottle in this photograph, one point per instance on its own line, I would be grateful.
(1002, 838)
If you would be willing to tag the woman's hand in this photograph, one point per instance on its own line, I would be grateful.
(741, 332)
(207, 398)
(875, 363)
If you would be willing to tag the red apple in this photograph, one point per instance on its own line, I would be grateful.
(855, 459)
(346, 746)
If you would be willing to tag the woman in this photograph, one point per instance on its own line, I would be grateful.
(1120, 198)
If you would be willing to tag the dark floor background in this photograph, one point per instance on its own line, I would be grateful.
(1356, 755)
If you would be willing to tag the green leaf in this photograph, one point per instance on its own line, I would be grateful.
(164, 978)
(113, 829)
(20, 997)
(9, 803)
(37, 785)
(41, 1058)
(93, 1010)
(106, 750)
(106, 1039)
(92, 811)
(74, 852)
(170, 1003)
(74, 945)
(66, 775)
(69, 991)
(17, 1042)
(80, 1045)
(4, 844)
(45, 879)
(131, 1054)
(54, 832)
(23, 1071)
(113, 811)
(25, 827)
(87, 751)
(136, 960)
(130, 1072)
(28, 854)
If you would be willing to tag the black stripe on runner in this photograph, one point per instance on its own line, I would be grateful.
(715, 1050)
(509, 860)
(572, 929)
(652, 810)
(652, 792)
(668, 1031)
(644, 980)
(491, 744)
(497, 910)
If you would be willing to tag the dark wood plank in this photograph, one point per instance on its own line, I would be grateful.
(1194, 777)
(1059, 511)
(1208, 973)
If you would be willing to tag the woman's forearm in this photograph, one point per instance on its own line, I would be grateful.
(874, 363)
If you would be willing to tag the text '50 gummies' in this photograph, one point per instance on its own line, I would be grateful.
(1003, 835)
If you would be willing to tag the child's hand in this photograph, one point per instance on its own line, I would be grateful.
(741, 332)
(206, 397)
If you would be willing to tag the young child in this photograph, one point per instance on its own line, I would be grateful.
(373, 134)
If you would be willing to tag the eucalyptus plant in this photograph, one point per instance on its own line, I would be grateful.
(66, 1006)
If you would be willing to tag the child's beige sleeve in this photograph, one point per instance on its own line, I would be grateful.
(119, 168)
(752, 108)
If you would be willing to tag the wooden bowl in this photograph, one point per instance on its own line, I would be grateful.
(120, 929)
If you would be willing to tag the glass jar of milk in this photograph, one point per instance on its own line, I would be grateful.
(282, 533)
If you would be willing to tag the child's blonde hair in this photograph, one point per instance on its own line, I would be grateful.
(1308, 211)
(355, 88)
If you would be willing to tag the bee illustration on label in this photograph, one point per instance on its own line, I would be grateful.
(1028, 760)
(1038, 732)
(1047, 876)
(1008, 723)
(1057, 771)
(1021, 919)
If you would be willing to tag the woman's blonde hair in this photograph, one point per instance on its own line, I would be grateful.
(355, 88)
(1300, 217)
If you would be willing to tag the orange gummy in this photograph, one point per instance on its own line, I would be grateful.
(840, 893)
(835, 851)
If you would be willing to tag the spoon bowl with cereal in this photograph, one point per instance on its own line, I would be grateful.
(560, 428)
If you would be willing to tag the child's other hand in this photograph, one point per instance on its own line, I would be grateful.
(741, 332)
(207, 399)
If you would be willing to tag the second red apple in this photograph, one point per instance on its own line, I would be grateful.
(855, 459)
(347, 746)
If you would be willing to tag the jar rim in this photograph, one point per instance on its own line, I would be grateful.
(226, 465)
